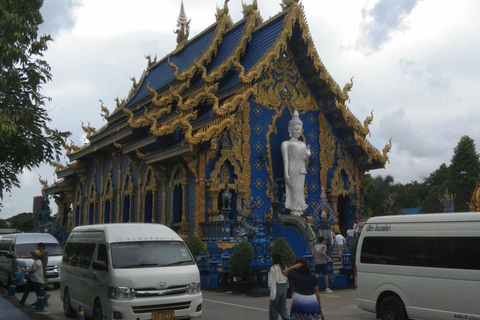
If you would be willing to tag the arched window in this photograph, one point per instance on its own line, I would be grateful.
(127, 194)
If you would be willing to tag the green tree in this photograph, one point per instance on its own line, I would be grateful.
(283, 247)
(464, 169)
(195, 245)
(239, 262)
(26, 140)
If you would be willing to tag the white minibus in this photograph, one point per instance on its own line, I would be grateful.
(424, 266)
(129, 271)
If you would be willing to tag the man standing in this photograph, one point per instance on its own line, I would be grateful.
(321, 258)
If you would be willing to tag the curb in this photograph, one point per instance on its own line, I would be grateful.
(30, 312)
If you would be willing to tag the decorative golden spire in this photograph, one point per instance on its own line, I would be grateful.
(183, 27)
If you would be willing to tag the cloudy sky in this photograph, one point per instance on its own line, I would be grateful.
(414, 64)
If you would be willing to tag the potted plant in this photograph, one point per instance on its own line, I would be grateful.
(283, 247)
(239, 267)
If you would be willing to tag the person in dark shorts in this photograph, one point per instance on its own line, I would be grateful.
(321, 258)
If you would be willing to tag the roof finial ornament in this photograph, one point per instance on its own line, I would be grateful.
(222, 12)
(287, 3)
(183, 27)
(248, 9)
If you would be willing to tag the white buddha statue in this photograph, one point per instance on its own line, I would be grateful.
(295, 154)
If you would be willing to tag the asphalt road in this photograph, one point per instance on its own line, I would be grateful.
(338, 305)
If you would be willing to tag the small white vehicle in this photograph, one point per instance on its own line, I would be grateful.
(424, 266)
(129, 271)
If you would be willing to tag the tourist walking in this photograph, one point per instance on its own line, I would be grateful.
(36, 279)
(321, 258)
(340, 240)
(278, 289)
(350, 235)
(306, 302)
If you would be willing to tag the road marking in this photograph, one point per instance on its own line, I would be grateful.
(235, 305)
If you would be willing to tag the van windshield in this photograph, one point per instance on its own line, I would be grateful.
(25, 249)
(148, 254)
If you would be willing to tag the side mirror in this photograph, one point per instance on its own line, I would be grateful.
(100, 266)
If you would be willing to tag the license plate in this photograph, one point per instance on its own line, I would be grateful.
(163, 315)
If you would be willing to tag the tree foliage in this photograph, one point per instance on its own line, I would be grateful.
(26, 140)
(283, 247)
(239, 262)
(195, 245)
(458, 178)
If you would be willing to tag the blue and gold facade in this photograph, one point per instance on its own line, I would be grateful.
(212, 115)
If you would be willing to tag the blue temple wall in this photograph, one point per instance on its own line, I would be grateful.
(191, 207)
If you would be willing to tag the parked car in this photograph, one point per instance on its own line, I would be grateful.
(22, 244)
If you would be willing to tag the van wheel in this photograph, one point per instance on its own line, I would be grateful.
(97, 310)
(392, 308)
(67, 306)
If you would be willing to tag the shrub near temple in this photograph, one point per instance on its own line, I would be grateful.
(239, 263)
(283, 247)
(195, 245)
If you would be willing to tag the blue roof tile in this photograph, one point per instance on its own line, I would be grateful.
(161, 75)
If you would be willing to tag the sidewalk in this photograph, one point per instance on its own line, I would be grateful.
(9, 311)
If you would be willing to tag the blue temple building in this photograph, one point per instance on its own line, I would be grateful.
(211, 116)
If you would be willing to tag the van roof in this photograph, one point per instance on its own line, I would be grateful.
(31, 237)
(121, 232)
(429, 217)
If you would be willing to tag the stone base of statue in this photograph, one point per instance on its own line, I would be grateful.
(260, 282)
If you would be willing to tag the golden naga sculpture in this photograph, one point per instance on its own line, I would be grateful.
(248, 9)
(90, 131)
(195, 139)
(141, 122)
(149, 64)
(222, 12)
(231, 105)
(343, 95)
(367, 123)
(44, 183)
(171, 126)
(140, 155)
(120, 103)
(117, 145)
(58, 166)
(386, 150)
(135, 84)
(71, 147)
(287, 3)
(106, 112)
(475, 201)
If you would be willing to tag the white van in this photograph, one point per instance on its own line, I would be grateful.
(129, 271)
(22, 244)
(424, 266)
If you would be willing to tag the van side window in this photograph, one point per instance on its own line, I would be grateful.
(431, 252)
(102, 253)
(79, 254)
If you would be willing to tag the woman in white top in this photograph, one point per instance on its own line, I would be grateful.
(278, 289)
(340, 242)
(36, 279)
